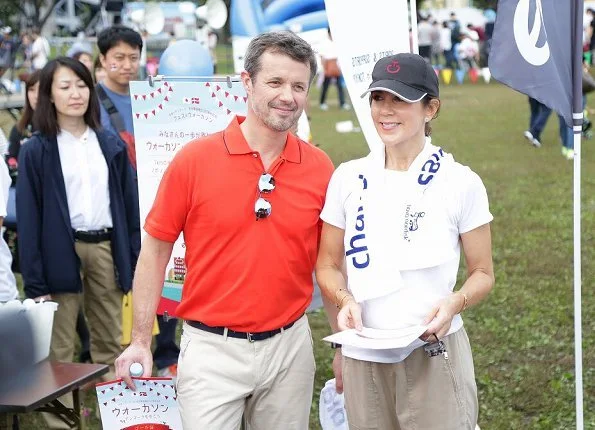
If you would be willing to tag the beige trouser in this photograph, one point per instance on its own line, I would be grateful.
(419, 393)
(269, 381)
(102, 304)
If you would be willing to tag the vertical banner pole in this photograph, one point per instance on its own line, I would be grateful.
(577, 116)
(414, 38)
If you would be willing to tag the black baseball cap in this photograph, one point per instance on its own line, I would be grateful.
(407, 76)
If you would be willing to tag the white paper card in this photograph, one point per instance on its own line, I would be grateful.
(372, 338)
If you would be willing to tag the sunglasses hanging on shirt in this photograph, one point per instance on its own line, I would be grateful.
(262, 207)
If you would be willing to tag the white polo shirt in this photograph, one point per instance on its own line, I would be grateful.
(86, 179)
(467, 208)
(8, 285)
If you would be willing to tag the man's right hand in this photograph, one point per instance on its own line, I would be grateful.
(338, 370)
(135, 353)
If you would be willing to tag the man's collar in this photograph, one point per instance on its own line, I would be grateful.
(236, 144)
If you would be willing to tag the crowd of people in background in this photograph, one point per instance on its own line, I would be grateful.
(448, 44)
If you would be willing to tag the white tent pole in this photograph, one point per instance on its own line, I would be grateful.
(578, 329)
(414, 38)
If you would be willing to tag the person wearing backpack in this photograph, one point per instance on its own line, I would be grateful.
(119, 52)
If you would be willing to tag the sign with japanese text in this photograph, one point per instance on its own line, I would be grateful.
(166, 116)
(382, 30)
(152, 406)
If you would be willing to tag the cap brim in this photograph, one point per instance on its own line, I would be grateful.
(403, 91)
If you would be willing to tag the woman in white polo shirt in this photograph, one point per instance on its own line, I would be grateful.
(394, 223)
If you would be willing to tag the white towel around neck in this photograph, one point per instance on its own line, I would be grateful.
(374, 264)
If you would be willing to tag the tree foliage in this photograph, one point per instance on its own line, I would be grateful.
(31, 13)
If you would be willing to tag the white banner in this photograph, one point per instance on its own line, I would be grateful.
(363, 32)
(167, 116)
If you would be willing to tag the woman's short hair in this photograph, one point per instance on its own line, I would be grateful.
(426, 102)
(27, 116)
(45, 118)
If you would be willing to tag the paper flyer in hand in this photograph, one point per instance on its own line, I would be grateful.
(372, 338)
(152, 406)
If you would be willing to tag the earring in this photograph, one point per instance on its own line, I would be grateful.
(427, 119)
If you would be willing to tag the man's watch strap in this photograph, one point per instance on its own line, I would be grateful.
(336, 345)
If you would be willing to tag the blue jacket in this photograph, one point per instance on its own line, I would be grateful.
(49, 263)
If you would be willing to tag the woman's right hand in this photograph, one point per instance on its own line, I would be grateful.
(350, 316)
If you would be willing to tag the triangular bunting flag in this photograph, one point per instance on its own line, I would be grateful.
(487, 74)
(146, 116)
(152, 95)
(473, 75)
(159, 90)
(245, 99)
(228, 111)
(136, 97)
(217, 88)
(137, 115)
(220, 104)
(213, 95)
(460, 73)
(153, 111)
(166, 84)
(208, 84)
(166, 99)
(446, 76)
(235, 98)
(144, 97)
(160, 106)
(171, 88)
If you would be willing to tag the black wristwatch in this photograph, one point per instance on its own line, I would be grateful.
(336, 345)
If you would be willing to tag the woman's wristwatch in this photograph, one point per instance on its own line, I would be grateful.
(336, 345)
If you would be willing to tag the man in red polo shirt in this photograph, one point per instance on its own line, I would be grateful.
(248, 201)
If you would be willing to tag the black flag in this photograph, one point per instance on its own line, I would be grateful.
(532, 50)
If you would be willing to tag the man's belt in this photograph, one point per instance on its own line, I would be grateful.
(251, 337)
(93, 236)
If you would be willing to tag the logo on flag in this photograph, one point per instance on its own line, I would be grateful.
(527, 41)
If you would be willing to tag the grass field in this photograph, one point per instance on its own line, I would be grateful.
(522, 335)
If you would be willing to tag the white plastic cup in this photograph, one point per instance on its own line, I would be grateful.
(41, 316)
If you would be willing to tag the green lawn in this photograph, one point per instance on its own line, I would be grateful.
(522, 335)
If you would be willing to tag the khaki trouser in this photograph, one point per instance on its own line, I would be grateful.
(102, 304)
(419, 393)
(269, 381)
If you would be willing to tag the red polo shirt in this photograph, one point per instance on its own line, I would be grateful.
(244, 274)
